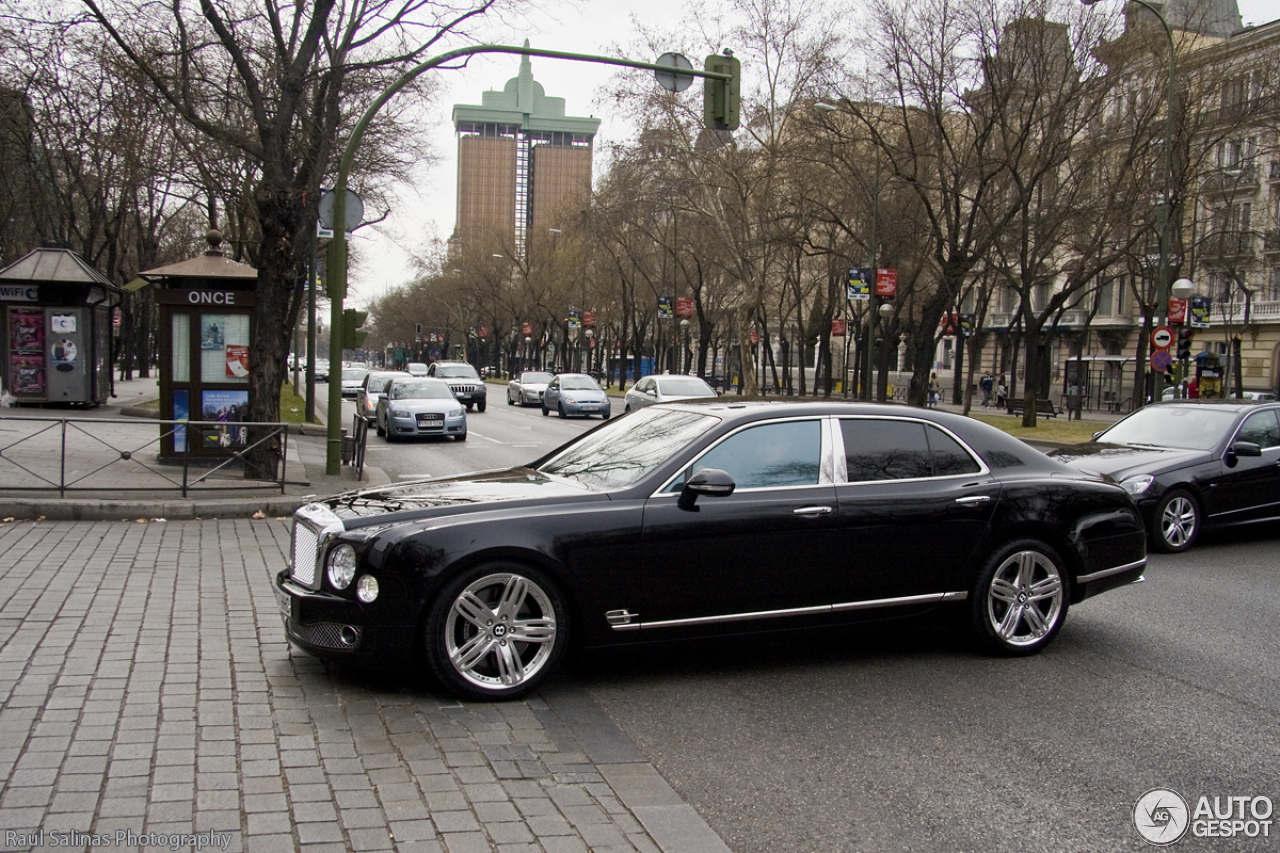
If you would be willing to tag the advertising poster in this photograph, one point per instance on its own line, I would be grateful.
(27, 374)
(181, 412)
(227, 408)
(237, 361)
(213, 329)
(65, 351)
(26, 331)
(858, 287)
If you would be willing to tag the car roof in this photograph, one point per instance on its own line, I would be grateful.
(1220, 403)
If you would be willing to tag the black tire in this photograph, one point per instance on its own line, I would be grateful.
(462, 437)
(468, 636)
(1176, 523)
(378, 427)
(469, 405)
(510, 402)
(1019, 600)
(605, 416)
(545, 411)
(627, 409)
(480, 406)
(560, 410)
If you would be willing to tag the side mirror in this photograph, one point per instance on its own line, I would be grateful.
(1246, 448)
(710, 482)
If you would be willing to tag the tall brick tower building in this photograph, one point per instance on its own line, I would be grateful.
(521, 161)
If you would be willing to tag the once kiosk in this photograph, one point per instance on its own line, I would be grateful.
(206, 324)
(55, 336)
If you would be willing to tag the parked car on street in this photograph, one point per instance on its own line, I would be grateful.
(1191, 465)
(466, 383)
(416, 406)
(375, 383)
(706, 518)
(575, 394)
(352, 380)
(416, 368)
(526, 387)
(666, 388)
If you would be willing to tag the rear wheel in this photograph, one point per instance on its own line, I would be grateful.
(378, 427)
(1019, 600)
(1177, 521)
(496, 632)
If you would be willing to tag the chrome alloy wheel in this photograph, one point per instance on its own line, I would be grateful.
(1025, 599)
(1178, 522)
(500, 631)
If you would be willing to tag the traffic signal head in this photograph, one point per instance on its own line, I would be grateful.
(352, 336)
(1184, 342)
(719, 96)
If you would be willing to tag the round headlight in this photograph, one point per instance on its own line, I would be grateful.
(342, 566)
(367, 588)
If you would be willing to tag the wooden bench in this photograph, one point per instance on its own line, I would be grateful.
(1014, 405)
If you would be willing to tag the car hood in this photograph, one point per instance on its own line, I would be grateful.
(584, 395)
(1120, 460)
(419, 498)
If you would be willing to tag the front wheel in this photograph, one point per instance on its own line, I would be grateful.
(1177, 522)
(480, 406)
(561, 412)
(496, 632)
(510, 402)
(545, 410)
(462, 437)
(1019, 601)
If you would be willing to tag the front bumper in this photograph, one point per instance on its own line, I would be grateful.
(416, 425)
(335, 628)
(586, 408)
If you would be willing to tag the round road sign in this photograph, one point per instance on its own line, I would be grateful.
(1161, 361)
(1161, 337)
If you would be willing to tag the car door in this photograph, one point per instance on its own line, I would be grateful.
(1247, 488)
(551, 397)
(914, 503)
(770, 546)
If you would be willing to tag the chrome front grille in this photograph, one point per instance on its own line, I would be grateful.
(463, 387)
(312, 525)
(304, 553)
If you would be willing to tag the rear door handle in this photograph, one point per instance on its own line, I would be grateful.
(812, 510)
(973, 500)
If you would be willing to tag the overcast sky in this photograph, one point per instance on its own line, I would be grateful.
(587, 26)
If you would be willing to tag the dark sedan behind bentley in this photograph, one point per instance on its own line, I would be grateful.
(1191, 464)
(690, 519)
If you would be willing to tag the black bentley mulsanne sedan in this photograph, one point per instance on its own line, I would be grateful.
(688, 519)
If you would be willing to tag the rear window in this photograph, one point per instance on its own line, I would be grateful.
(457, 371)
(878, 449)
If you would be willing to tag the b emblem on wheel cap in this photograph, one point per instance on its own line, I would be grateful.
(499, 631)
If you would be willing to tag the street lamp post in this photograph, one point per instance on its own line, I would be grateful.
(886, 311)
(684, 359)
(1163, 216)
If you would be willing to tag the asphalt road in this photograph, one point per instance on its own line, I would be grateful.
(897, 737)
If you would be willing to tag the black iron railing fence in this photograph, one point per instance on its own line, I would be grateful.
(92, 454)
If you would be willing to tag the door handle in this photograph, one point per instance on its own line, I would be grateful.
(973, 500)
(811, 510)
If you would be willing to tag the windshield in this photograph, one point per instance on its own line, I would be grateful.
(578, 383)
(1184, 427)
(626, 450)
(684, 386)
(354, 374)
(458, 371)
(421, 391)
(535, 378)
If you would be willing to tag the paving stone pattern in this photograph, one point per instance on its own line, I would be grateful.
(146, 687)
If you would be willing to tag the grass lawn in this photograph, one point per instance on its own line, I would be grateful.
(1057, 429)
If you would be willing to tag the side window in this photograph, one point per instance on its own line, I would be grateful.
(1261, 428)
(770, 455)
(949, 458)
(885, 450)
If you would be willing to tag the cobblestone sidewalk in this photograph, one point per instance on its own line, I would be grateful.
(148, 700)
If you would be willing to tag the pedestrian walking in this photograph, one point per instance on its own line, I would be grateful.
(1002, 394)
(935, 390)
(985, 384)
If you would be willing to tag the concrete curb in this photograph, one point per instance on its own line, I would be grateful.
(175, 509)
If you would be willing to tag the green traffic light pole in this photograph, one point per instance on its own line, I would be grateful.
(338, 245)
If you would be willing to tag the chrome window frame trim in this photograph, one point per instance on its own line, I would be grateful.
(826, 462)
(842, 471)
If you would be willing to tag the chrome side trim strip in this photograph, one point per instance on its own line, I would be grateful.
(931, 598)
(1115, 570)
